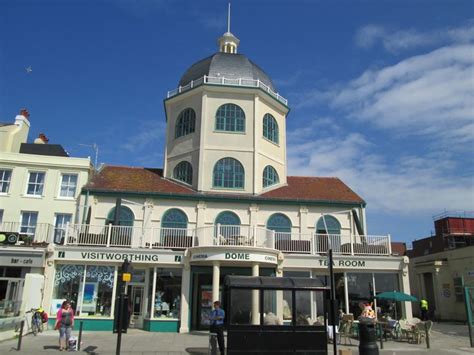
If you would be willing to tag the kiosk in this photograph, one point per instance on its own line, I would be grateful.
(275, 315)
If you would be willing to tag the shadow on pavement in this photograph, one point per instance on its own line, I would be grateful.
(51, 347)
(90, 349)
(197, 351)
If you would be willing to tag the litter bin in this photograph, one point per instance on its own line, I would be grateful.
(367, 339)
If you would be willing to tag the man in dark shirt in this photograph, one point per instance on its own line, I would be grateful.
(217, 325)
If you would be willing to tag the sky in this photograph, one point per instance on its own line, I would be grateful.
(381, 92)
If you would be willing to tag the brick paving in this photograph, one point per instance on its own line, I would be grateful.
(447, 338)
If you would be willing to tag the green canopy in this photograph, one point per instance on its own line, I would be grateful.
(396, 296)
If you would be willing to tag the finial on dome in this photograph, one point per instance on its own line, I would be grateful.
(228, 43)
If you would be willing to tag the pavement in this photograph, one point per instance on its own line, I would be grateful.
(446, 339)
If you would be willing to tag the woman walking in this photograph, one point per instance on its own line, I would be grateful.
(64, 323)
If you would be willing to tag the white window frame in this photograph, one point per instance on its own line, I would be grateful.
(68, 185)
(28, 226)
(60, 230)
(35, 183)
(3, 181)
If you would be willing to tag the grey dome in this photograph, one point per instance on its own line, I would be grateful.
(231, 66)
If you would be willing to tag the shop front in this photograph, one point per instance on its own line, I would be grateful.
(90, 280)
(15, 263)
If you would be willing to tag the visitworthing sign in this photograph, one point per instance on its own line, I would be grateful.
(235, 256)
(117, 256)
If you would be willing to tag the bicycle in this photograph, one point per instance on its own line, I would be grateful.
(36, 320)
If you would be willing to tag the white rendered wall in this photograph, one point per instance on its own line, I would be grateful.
(49, 203)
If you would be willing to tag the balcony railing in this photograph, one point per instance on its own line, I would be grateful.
(39, 233)
(213, 235)
(240, 82)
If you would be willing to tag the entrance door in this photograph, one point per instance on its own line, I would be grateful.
(10, 297)
(136, 295)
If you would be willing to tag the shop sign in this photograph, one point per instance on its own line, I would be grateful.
(470, 273)
(117, 256)
(345, 263)
(235, 256)
(17, 259)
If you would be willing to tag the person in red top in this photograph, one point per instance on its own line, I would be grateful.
(64, 323)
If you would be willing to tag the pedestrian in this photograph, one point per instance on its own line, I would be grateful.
(64, 323)
(217, 325)
(424, 309)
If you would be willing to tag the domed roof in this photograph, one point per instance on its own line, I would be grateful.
(227, 65)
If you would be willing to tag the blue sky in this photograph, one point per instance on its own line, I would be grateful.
(381, 92)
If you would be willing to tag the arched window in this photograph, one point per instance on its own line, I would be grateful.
(281, 224)
(229, 226)
(174, 229)
(231, 118)
(270, 128)
(270, 176)
(126, 217)
(174, 218)
(332, 225)
(186, 122)
(228, 173)
(184, 172)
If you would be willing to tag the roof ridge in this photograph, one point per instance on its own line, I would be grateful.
(313, 177)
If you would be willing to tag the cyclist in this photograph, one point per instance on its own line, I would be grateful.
(64, 323)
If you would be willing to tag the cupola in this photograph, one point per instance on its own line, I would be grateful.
(228, 43)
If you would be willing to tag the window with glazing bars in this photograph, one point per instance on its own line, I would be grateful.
(186, 123)
(270, 128)
(184, 172)
(281, 224)
(28, 222)
(228, 173)
(68, 185)
(230, 118)
(5, 179)
(270, 176)
(35, 184)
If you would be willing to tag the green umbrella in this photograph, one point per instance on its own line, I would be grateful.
(396, 296)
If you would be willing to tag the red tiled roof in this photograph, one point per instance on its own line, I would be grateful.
(399, 248)
(144, 180)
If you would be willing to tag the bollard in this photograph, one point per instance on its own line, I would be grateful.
(367, 339)
(427, 333)
(381, 336)
(22, 324)
(81, 323)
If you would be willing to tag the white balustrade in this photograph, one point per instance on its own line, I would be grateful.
(211, 235)
(228, 82)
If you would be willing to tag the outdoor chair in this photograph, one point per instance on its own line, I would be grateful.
(345, 331)
(403, 329)
(420, 331)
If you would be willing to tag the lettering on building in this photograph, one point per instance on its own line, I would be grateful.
(344, 263)
(237, 256)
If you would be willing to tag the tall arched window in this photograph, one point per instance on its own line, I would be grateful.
(186, 122)
(281, 224)
(126, 217)
(270, 128)
(121, 236)
(174, 218)
(270, 176)
(228, 173)
(332, 225)
(229, 226)
(174, 229)
(231, 118)
(184, 172)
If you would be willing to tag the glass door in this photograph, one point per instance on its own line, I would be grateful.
(136, 301)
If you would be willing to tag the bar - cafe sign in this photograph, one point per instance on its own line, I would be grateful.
(235, 256)
(113, 256)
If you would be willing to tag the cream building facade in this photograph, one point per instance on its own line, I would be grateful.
(39, 188)
(223, 204)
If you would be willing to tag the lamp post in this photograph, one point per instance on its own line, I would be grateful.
(121, 316)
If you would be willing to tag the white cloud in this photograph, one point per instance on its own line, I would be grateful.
(399, 40)
(146, 135)
(406, 185)
(430, 95)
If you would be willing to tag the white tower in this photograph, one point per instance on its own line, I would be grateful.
(226, 125)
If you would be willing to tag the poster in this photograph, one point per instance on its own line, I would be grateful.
(90, 297)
